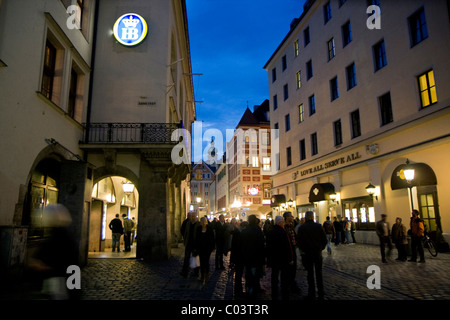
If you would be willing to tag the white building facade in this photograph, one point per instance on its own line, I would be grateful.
(355, 98)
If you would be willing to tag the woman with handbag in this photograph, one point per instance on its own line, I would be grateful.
(204, 246)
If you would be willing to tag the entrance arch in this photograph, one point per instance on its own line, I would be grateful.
(109, 200)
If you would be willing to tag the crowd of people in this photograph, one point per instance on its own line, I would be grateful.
(256, 248)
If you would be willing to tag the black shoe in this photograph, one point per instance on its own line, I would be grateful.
(412, 260)
(422, 261)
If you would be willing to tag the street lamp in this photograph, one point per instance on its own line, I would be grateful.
(409, 174)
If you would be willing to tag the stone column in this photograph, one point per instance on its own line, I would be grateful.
(153, 206)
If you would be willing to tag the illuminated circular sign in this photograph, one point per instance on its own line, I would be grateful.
(130, 29)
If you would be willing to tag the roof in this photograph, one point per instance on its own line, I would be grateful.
(294, 24)
(257, 117)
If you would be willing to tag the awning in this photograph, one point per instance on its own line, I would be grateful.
(320, 192)
(277, 199)
(423, 176)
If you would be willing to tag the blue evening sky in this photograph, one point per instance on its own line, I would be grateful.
(230, 41)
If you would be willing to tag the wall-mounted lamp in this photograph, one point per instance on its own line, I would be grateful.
(334, 197)
(371, 189)
(290, 203)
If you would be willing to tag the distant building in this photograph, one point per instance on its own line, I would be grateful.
(203, 189)
(249, 165)
(354, 103)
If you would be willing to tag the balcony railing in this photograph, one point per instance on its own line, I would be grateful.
(117, 133)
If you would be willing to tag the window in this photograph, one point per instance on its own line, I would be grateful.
(351, 76)
(312, 105)
(341, 3)
(266, 164)
(427, 87)
(346, 33)
(274, 74)
(327, 12)
(309, 70)
(275, 102)
(306, 36)
(72, 93)
(337, 128)
(275, 126)
(288, 156)
(355, 124)
(385, 109)
(302, 149)
(296, 49)
(314, 148)
(379, 54)
(299, 79)
(301, 113)
(331, 49)
(285, 92)
(287, 122)
(283, 63)
(255, 161)
(334, 88)
(418, 27)
(49, 70)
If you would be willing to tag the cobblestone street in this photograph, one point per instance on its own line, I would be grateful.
(345, 278)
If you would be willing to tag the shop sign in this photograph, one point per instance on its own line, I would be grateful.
(328, 165)
(130, 29)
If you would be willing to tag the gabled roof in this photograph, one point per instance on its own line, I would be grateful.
(248, 119)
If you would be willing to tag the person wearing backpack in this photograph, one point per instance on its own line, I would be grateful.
(417, 234)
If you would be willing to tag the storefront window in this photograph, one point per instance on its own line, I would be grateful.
(361, 211)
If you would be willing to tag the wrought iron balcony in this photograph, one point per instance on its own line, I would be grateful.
(125, 133)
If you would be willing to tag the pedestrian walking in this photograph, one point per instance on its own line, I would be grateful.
(346, 226)
(338, 229)
(133, 231)
(399, 238)
(253, 253)
(383, 232)
(312, 240)
(115, 225)
(187, 230)
(329, 232)
(220, 229)
(280, 258)
(353, 229)
(289, 226)
(127, 229)
(204, 246)
(236, 259)
(417, 234)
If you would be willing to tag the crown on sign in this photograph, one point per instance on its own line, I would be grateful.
(130, 22)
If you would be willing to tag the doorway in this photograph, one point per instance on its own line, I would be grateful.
(112, 197)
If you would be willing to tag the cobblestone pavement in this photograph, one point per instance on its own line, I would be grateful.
(345, 274)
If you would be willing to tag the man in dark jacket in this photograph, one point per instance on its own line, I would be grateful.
(280, 257)
(253, 255)
(187, 230)
(117, 230)
(312, 240)
(220, 230)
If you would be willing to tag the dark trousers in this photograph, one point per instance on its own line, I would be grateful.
(204, 264)
(252, 277)
(313, 265)
(416, 245)
(219, 256)
(401, 249)
(383, 242)
(238, 273)
(280, 274)
(127, 240)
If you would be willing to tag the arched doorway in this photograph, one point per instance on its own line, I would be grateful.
(43, 190)
(111, 198)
